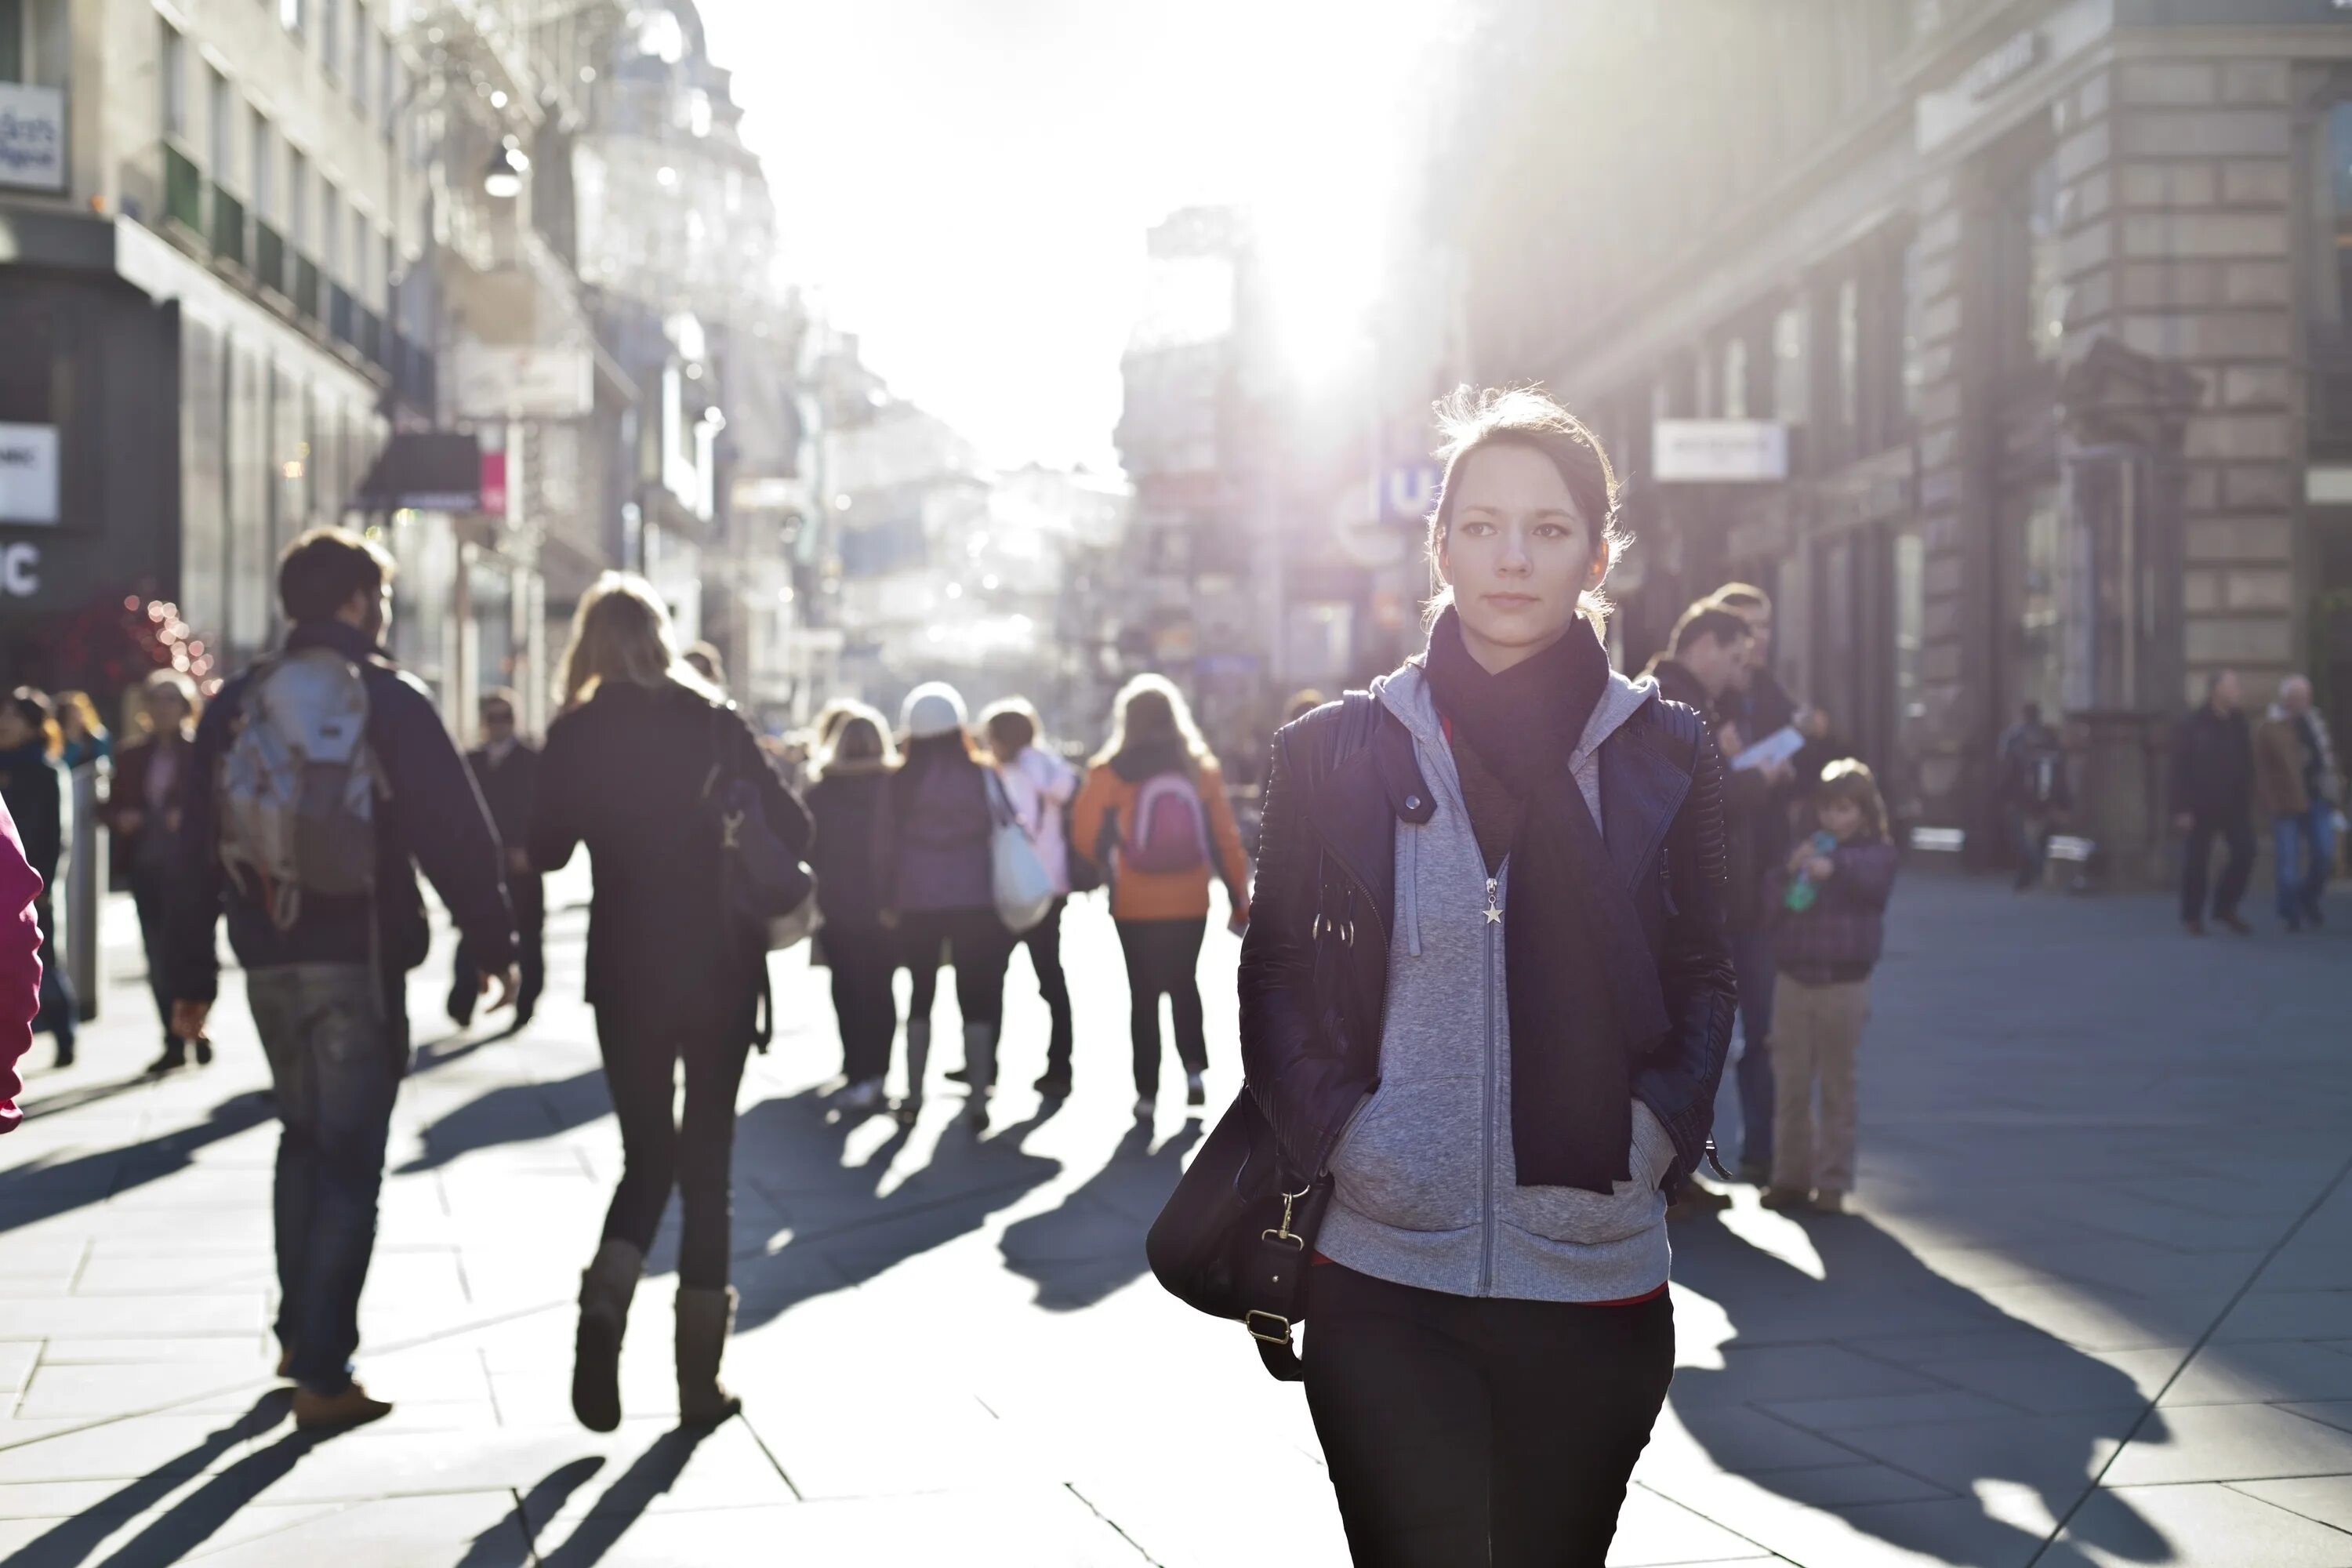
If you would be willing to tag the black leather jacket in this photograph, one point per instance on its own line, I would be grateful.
(1314, 968)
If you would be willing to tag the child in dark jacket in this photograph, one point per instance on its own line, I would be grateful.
(1828, 908)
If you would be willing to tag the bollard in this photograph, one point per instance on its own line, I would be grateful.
(85, 891)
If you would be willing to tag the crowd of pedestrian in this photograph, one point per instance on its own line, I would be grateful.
(1509, 911)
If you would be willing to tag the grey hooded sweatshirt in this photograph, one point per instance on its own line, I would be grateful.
(1424, 1190)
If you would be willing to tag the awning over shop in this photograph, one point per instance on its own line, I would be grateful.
(435, 471)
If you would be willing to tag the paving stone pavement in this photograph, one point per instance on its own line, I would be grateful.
(2095, 1305)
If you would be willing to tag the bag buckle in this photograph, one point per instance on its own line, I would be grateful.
(1282, 1232)
(1278, 1335)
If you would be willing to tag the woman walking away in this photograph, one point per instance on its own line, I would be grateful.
(1154, 815)
(151, 781)
(20, 966)
(1039, 784)
(853, 770)
(627, 770)
(1829, 905)
(1487, 994)
(33, 785)
(931, 861)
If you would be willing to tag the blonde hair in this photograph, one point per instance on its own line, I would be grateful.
(1149, 710)
(622, 633)
(1849, 779)
(1529, 416)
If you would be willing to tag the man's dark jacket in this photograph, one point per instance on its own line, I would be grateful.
(1314, 970)
(2213, 766)
(1746, 800)
(432, 817)
(507, 788)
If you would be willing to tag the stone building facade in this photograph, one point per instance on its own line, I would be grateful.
(2046, 295)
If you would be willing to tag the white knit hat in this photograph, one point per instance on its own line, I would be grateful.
(934, 707)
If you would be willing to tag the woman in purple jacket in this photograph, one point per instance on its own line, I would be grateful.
(1828, 907)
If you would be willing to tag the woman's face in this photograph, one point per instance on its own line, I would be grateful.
(14, 731)
(1516, 553)
(1841, 817)
(69, 722)
(165, 712)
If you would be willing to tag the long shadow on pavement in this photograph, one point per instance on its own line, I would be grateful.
(45, 1189)
(622, 1503)
(2017, 1405)
(506, 1544)
(194, 1519)
(789, 1151)
(514, 1113)
(1092, 1244)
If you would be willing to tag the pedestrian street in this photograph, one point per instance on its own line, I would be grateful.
(2094, 1305)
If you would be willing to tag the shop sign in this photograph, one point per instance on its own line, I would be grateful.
(28, 474)
(20, 571)
(1719, 451)
(2013, 58)
(506, 381)
(494, 483)
(32, 137)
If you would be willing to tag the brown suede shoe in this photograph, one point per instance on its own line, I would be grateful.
(1828, 1202)
(1785, 1198)
(323, 1412)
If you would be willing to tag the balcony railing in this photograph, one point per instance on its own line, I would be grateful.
(228, 226)
(340, 312)
(269, 256)
(306, 287)
(184, 191)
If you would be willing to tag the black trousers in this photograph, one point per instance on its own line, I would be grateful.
(1473, 1430)
(2197, 860)
(1044, 942)
(864, 963)
(1163, 958)
(151, 898)
(661, 1149)
(981, 950)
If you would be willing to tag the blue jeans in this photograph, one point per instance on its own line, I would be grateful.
(2300, 882)
(336, 1056)
(1751, 957)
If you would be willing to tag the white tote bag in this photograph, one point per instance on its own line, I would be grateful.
(1016, 871)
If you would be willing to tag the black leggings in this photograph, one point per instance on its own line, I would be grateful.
(1475, 1429)
(982, 949)
(1044, 942)
(659, 1149)
(864, 963)
(1163, 957)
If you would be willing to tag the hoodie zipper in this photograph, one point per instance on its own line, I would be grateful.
(1494, 924)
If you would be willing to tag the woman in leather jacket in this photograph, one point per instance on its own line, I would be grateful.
(1486, 991)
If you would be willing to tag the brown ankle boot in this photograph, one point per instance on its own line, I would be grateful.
(351, 1407)
(605, 1287)
(705, 1318)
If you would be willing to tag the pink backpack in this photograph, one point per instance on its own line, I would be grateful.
(1169, 831)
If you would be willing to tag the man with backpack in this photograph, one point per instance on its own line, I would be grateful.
(326, 780)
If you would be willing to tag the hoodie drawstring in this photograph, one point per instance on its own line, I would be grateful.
(1413, 889)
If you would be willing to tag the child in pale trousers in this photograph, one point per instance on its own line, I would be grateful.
(1828, 908)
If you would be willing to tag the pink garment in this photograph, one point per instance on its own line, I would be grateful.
(20, 965)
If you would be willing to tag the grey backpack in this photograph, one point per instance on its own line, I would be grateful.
(299, 783)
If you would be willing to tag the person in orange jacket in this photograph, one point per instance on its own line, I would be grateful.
(1153, 815)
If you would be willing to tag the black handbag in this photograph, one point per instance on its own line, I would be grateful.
(1237, 1237)
(769, 894)
(1234, 1243)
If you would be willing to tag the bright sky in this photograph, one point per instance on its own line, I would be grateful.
(966, 184)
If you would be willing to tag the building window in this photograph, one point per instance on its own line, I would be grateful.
(12, 40)
(2331, 166)
(1914, 357)
(359, 78)
(263, 182)
(331, 230)
(331, 36)
(1789, 403)
(1849, 353)
(218, 106)
(175, 72)
(297, 195)
(1734, 379)
(359, 254)
(388, 84)
(2030, 293)
(289, 15)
